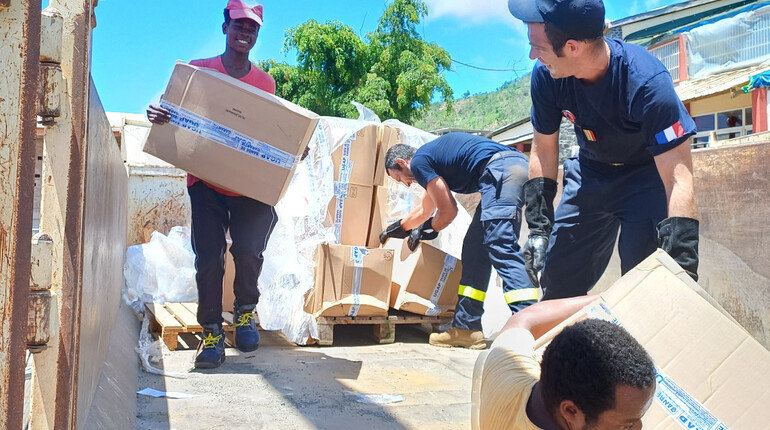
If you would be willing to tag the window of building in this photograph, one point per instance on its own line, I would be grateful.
(668, 54)
(725, 125)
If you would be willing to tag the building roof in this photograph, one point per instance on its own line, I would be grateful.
(718, 83)
(507, 127)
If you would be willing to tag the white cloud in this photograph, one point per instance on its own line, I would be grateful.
(476, 11)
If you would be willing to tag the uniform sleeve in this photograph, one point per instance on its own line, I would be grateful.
(546, 115)
(422, 170)
(665, 121)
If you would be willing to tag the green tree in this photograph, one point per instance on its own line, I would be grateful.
(395, 73)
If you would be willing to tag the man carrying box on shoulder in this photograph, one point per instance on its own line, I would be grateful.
(215, 210)
(465, 163)
(593, 375)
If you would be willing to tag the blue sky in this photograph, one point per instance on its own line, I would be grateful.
(137, 42)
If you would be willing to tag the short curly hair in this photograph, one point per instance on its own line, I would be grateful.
(587, 361)
(395, 152)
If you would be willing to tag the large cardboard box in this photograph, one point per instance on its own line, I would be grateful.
(388, 137)
(712, 373)
(350, 281)
(354, 161)
(231, 134)
(425, 281)
(350, 211)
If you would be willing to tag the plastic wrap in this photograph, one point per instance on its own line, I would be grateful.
(162, 270)
(731, 42)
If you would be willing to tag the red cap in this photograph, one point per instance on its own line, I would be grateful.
(238, 10)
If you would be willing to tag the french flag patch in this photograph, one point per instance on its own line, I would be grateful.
(670, 134)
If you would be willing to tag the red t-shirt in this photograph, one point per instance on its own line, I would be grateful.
(256, 77)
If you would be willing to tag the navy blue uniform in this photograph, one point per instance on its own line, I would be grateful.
(631, 115)
(470, 164)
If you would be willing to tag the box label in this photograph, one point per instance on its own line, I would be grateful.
(357, 255)
(218, 133)
(341, 187)
(449, 265)
(683, 408)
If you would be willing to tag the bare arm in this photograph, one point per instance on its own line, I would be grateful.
(543, 316)
(419, 214)
(675, 169)
(544, 158)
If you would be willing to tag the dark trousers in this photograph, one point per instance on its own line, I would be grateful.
(250, 223)
(492, 241)
(598, 199)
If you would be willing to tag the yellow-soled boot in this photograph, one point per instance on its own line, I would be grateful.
(458, 337)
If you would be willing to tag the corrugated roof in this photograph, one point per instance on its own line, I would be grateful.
(718, 83)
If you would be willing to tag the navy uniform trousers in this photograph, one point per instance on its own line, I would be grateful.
(250, 223)
(492, 240)
(598, 199)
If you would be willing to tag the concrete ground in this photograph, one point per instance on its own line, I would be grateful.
(283, 386)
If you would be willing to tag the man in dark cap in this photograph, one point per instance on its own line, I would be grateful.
(634, 169)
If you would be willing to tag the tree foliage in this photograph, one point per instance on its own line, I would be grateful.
(394, 72)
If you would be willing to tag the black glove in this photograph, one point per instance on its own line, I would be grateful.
(539, 194)
(395, 231)
(678, 236)
(423, 232)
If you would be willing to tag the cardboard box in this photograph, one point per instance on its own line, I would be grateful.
(704, 357)
(388, 137)
(350, 281)
(230, 133)
(351, 214)
(357, 156)
(425, 281)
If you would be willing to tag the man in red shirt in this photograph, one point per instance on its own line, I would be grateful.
(215, 210)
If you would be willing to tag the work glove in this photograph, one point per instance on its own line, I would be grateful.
(423, 232)
(678, 236)
(539, 194)
(395, 231)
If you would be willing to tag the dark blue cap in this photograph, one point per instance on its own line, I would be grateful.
(578, 19)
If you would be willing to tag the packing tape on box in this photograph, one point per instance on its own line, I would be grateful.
(687, 411)
(449, 265)
(341, 186)
(218, 133)
(357, 255)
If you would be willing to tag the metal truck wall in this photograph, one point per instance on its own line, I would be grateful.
(731, 191)
(104, 246)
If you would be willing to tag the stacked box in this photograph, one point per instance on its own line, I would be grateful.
(231, 134)
(350, 281)
(425, 281)
(354, 166)
(388, 136)
(386, 209)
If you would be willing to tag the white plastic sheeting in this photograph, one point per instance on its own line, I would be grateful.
(738, 41)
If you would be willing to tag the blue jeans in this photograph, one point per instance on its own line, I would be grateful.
(492, 240)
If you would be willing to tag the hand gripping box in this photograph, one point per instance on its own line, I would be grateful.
(425, 281)
(711, 373)
(350, 281)
(231, 134)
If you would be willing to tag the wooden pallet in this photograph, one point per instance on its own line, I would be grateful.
(170, 320)
(384, 326)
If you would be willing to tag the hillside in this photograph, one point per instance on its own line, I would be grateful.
(482, 111)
